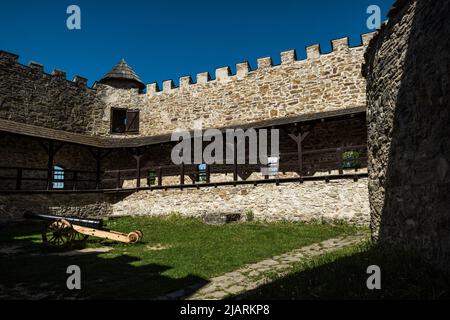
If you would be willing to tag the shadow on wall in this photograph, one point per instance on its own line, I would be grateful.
(416, 211)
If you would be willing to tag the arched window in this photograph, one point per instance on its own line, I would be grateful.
(58, 177)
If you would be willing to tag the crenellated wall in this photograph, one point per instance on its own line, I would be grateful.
(322, 82)
(29, 95)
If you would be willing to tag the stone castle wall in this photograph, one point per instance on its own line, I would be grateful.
(343, 200)
(408, 76)
(322, 82)
(14, 206)
(29, 95)
(337, 201)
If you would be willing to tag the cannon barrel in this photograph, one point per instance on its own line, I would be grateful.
(88, 223)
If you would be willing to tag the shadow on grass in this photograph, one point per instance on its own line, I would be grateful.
(36, 272)
(343, 276)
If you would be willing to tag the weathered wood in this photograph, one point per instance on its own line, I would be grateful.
(340, 160)
(19, 179)
(118, 180)
(75, 180)
(208, 174)
(51, 155)
(160, 176)
(138, 171)
(182, 178)
(235, 163)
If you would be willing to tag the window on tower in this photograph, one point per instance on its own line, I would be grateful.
(124, 121)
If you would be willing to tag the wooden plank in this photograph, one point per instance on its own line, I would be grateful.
(110, 235)
(132, 121)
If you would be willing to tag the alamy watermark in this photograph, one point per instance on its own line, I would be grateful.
(374, 20)
(74, 280)
(73, 22)
(229, 147)
(374, 281)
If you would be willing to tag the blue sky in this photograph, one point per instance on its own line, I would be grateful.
(165, 40)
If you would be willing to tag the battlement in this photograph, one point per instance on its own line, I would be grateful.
(243, 69)
(36, 68)
(231, 96)
(223, 74)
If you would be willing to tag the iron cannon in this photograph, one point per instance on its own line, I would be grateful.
(63, 231)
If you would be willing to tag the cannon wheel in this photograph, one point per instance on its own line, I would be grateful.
(140, 234)
(134, 236)
(79, 237)
(59, 234)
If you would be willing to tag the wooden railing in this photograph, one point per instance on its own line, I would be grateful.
(310, 166)
(42, 179)
(20, 179)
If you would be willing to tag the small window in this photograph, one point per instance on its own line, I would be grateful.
(351, 160)
(151, 179)
(202, 175)
(58, 177)
(124, 121)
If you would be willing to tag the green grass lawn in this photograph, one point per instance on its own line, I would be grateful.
(342, 275)
(192, 252)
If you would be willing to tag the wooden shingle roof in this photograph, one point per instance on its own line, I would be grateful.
(122, 71)
(132, 142)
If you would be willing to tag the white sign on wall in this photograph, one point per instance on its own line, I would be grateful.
(273, 167)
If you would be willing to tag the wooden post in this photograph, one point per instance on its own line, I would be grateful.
(137, 154)
(118, 184)
(160, 176)
(182, 174)
(208, 174)
(340, 159)
(51, 154)
(19, 179)
(299, 137)
(300, 155)
(99, 155)
(138, 171)
(235, 167)
(74, 180)
(98, 159)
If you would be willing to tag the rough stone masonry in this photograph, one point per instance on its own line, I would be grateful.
(320, 83)
(408, 87)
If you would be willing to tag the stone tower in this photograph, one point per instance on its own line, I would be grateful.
(122, 76)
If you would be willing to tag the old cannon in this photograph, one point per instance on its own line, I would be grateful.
(63, 231)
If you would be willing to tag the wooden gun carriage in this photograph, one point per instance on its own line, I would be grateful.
(63, 231)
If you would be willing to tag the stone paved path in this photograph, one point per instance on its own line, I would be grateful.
(252, 276)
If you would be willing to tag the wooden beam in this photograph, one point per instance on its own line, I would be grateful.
(75, 180)
(50, 162)
(340, 159)
(138, 170)
(182, 180)
(208, 173)
(160, 176)
(299, 136)
(235, 165)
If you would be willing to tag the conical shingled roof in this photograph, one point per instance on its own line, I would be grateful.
(123, 73)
